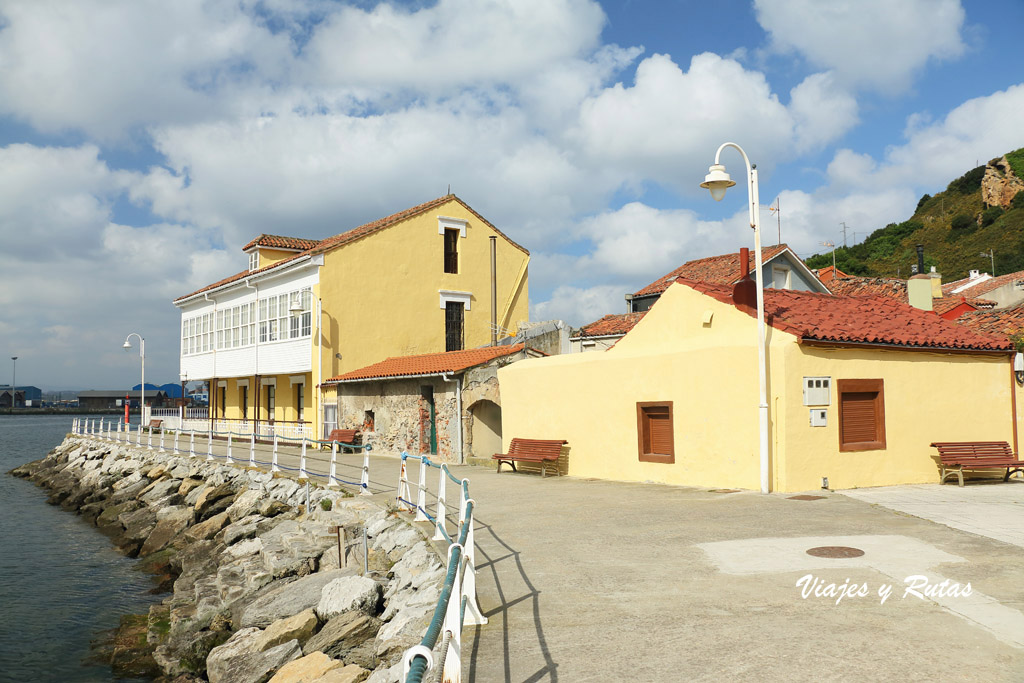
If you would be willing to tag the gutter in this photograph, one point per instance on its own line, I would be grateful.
(318, 260)
(387, 377)
(904, 347)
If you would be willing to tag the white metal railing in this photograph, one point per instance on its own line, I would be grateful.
(457, 606)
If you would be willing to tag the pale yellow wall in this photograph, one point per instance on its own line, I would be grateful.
(269, 257)
(380, 294)
(709, 371)
(928, 397)
(285, 403)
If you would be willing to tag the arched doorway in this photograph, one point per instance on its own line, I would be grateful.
(486, 429)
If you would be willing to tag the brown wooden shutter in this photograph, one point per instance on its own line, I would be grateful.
(660, 429)
(859, 424)
(655, 432)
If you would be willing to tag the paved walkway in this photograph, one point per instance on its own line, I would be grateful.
(605, 581)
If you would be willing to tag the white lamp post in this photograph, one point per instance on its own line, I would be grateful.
(142, 388)
(718, 181)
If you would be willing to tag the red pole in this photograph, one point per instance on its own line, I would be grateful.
(126, 402)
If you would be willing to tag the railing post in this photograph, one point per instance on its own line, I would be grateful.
(403, 485)
(302, 460)
(364, 481)
(252, 449)
(149, 443)
(462, 502)
(229, 460)
(273, 461)
(209, 444)
(138, 436)
(332, 478)
(118, 437)
(176, 432)
(421, 495)
(453, 621)
(192, 443)
(162, 432)
(473, 614)
(439, 514)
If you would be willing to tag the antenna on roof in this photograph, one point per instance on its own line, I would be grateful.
(449, 188)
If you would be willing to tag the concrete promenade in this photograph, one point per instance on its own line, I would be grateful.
(588, 580)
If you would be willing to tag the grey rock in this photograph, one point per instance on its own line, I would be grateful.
(349, 593)
(245, 504)
(257, 667)
(343, 634)
(138, 524)
(170, 522)
(243, 529)
(287, 599)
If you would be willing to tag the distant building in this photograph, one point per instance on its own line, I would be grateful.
(27, 396)
(109, 400)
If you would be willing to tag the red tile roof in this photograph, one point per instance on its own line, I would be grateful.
(429, 363)
(982, 286)
(853, 285)
(996, 322)
(281, 242)
(814, 317)
(724, 269)
(620, 323)
(829, 273)
(354, 234)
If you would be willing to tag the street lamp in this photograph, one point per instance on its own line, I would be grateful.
(718, 181)
(990, 254)
(14, 380)
(142, 388)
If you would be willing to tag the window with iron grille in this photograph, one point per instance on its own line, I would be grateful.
(454, 313)
(300, 407)
(451, 250)
(861, 414)
(655, 441)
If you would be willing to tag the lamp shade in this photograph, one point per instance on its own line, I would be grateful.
(717, 181)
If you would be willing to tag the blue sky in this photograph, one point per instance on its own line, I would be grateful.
(142, 143)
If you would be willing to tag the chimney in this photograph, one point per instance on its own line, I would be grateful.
(744, 292)
(936, 284)
(919, 287)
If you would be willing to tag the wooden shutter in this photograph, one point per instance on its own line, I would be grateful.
(655, 432)
(861, 414)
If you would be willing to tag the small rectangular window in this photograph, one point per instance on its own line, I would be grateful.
(454, 312)
(654, 425)
(254, 260)
(861, 414)
(451, 250)
(300, 406)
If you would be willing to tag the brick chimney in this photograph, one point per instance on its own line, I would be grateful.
(744, 292)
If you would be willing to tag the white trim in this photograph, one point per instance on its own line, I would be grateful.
(268, 381)
(297, 379)
(222, 384)
(453, 223)
(451, 295)
(242, 383)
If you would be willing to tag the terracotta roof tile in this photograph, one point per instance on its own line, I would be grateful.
(829, 273)
(620, 323)
(429, 363)
(996, 322)
(281, 242)
(858, 320)
(723, 269)
(852, 285)
(352, 235)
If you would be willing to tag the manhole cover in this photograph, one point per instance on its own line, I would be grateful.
(835, 551)
(724, 491)
(804, 496)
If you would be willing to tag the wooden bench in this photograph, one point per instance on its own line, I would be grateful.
(957, 456)
(155, 425)
(541, 451)
(345, 436)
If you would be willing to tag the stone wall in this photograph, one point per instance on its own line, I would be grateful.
(257, 587)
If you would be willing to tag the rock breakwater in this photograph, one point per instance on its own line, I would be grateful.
(258, 589)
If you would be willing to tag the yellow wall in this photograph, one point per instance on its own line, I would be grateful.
(380, 294)
(269, 257)
(709, 372)
(285, 403)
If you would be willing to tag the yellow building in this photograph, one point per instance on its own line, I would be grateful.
(858, 387)
(418, 281)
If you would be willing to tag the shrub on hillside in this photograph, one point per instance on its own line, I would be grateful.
(921, 202)
(1016, 161)
(1018, 201)
(969, 182)
(991, 215)
(962, 222)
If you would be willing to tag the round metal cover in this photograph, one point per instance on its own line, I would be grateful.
(835, 551)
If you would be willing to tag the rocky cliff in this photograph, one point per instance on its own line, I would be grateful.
(1000, 184)
(258, 589)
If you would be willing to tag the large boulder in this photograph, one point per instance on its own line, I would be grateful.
(287, 599)
(170, 522)
(299, 627)
(347, 594)
(237, 660)
(245, 504)
(207, 528)
(306, 669)
(343, 634)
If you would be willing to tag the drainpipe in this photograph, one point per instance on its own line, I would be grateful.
(256, 352)
(494, 290)
(1013, 403)
(458, 411)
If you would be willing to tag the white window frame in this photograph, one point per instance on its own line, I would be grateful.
(254, 260)
(454, 223)
(788, 272)
(458, 297)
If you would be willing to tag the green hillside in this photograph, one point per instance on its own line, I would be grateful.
(955, 228)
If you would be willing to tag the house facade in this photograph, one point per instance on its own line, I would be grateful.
(858, 387)
(417, 281)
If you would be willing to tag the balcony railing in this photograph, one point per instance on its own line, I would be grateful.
(262, 428)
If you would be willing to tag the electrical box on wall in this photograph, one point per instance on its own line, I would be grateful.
(817, 391)
(819, 417)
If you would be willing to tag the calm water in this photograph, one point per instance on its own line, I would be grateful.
(61, 581)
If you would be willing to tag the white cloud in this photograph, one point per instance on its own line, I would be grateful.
(579, 306)
(822, 111)
(867, 43)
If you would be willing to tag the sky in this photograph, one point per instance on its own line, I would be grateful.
(143, 142)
